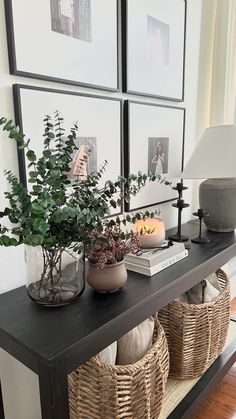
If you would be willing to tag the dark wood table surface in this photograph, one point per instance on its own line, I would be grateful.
(54, 341)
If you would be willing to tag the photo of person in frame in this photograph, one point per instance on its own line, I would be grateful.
(72, 18)
(158, 153)
(84, 160)
(159, 41)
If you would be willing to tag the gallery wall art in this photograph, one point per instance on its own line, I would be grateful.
(154, 47)
(154, 144)
(99, 134)
(64, 41)
(77, 42)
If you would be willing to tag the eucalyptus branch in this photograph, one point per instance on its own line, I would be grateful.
(60, 210)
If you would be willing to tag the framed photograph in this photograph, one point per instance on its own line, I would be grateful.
(154, 144)
(154, 47)
(65, 41)
(100, 128)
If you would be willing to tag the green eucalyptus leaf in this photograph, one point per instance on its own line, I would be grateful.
(5, 240)
(36, 207)
(50, 135)
(50, 241)
(13, 242)
(113, 203)
(14, 220)
(55, 173)
(37, 188)
(31, 155)
(47, 154)
(8, 125)
(7, 211)
(40, 225)
(33, 174)
(34, 240)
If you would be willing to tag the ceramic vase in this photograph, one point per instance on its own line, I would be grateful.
(109, 279)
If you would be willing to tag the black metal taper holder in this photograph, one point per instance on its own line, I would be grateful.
(178, 237)
(200, 238)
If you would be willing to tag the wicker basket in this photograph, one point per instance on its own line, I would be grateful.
(100, 391)
(196, 334)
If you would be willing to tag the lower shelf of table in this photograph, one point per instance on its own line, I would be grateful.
(184, 397)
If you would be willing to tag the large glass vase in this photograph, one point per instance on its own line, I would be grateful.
(55, 275)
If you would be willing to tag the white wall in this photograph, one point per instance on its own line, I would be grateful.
(12, 262)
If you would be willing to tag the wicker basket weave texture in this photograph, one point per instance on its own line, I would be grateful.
(196, 333)
(136, 391)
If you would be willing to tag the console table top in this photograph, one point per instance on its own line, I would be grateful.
(74, 333)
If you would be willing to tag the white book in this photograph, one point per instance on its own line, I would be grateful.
(151, 257)
(158, 267)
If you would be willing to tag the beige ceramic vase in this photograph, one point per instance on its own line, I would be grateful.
(109, 279)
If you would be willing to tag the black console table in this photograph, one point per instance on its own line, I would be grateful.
(53, 342)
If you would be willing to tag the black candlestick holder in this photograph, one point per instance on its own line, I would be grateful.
(200, 238)
(178, 237)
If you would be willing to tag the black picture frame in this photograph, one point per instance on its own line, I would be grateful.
(40, 54)
(112, 145)
(157, 81)
(135, 157)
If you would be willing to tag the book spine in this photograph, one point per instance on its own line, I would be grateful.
(170, 261)
(157, 268)
(159, 257)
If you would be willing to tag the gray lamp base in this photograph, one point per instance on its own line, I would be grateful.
(218, 198)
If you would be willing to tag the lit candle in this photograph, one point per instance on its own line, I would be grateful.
(151, 232)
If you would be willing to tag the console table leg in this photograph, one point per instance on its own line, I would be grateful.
(53, 388)
(2, 415)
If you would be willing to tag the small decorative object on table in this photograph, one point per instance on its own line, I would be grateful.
(55, 217)
(149, 262)
(105, 253)
(200, 239)
(151, 232)
(217, 193)
(180, 205)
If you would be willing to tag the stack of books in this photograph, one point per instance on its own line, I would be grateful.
(152, 261)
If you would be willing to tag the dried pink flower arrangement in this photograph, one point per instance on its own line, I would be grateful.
(110, 246)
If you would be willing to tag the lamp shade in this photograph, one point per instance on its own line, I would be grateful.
(214, 155)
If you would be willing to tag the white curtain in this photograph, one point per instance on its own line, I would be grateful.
(223, 87)
(217, 72)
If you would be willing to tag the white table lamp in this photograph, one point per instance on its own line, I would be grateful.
(214, 159)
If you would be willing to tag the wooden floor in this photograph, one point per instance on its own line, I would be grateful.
(222, 402)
